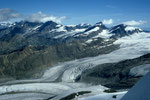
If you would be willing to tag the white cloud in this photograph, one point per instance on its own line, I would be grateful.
(7, 14)
(133, 22)
(109, 21)
(41, 17)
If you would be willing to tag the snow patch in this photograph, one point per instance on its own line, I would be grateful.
(89, 41)
(35, 28)
(58, 25)
(140, 70)
(130, 28)
(78, 30)
(103, 34)
(61, 28)
(67, 34)
(71, 25)
(92, 30)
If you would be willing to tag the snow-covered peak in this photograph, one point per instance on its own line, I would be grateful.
(70, 25)
(122, 30)
(94, 31)
(99, 24)
(120, 26)
(131, 28)
(125, 28)
(82, 25)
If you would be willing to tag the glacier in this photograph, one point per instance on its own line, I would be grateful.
(59, 80)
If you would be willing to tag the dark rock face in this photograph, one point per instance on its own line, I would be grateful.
(47, 26)
(79, 26)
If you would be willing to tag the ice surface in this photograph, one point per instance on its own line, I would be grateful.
(130, 47)
(25, 96)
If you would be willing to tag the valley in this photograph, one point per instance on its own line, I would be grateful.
(52, 61)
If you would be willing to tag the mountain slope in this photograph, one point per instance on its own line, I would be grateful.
(117, 75)
(51, 43)
(55, 61)
(29, 60)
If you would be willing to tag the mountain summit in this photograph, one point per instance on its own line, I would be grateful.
(124, 30)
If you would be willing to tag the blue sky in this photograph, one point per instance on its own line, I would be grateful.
(87, 11)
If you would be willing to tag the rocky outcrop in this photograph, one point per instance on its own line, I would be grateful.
(115, 75)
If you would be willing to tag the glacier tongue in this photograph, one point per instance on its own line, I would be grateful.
(130, 47)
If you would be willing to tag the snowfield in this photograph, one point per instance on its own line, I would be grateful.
(104, 34)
